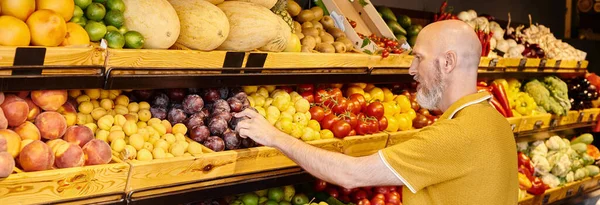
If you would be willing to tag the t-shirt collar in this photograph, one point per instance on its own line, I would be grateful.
(465, 102)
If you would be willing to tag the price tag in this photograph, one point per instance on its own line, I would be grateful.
(26, 56)
(580, 117)
(255, 60)
(513, 126)
(538, 124)
(591, 118)
(233, 62)
(578, 64)
(493, 62)
(543, 63)
(580, 189)
(569, 192)
(557, 65)
(523, 62)
(546, 199)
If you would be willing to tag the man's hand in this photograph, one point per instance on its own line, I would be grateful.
(257, 128)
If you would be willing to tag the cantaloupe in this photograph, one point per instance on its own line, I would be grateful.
(279, 43)
(156, 20)
(251, 26)
(266, 3)
(200, 15)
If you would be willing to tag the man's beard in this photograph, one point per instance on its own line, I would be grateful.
(429, 98)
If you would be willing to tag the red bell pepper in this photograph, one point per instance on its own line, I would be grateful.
(525, 170)
(500, 94)
(537, 187)
(524, 160)
(498, 106)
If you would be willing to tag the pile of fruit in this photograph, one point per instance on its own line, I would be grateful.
(43, 134)
(317, 31)
(555, 162)
(582, 93)
(401, 26)
(361, 196)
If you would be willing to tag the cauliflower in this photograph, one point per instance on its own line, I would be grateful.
(555, 143)
(541, 164)
(551, 180)
(562, 166)
(539, 149)
(580, 173)
(570, 177)
(522, 147)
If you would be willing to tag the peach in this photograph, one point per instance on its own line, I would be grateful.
(3, 120)
(52, 125)
(97, 152)
(7, 164)
(36, 156)
(79, 135)
(28, 130)
(15, 110)
(53, 144)
(13, 141)
(68, 155)
(69, 112)
(49, 100)
(25, 143)
(34, 110)
(22, 94)
(3, 145)
(1, 97)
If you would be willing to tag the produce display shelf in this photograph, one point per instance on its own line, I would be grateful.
(90, 183)
(561, 194)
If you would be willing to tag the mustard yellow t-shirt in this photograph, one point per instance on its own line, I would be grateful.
(468, 156)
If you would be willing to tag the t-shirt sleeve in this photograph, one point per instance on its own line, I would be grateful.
(437, 153)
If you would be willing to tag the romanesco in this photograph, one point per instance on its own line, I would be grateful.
(542, 97)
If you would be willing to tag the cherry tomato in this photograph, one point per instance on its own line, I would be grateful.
(383, 123)
(340, 129)
(354, 106)
(321, 95)
(392, 198)
(328, 121)
(327, 111)
(362, 128)
(340, 105)
(345, 191)
(377, 201)
(308, 95)
(391, 188)
(305, 87)
(351, 118)
(344, 198)
(335, 92)
(379, 196)
(320, 185)
(373, 126)
(381, 190)
(393, 193)
(364, 202)
(375, 109)
(287, 89)
(329, 102)
(359, 195)
(360, 99)
(333, 192)
(317, 113)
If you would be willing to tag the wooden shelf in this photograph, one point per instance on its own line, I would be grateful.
(562, 193)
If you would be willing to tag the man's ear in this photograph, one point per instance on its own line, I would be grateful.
(449, 61)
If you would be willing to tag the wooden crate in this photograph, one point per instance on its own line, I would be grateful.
(393, 64)
(155, 58)
(571, 118)
(590, 115)
(364, 145)
(528, 200)
(515, 123)
(529, 123)
(57, 56)
(592, 183)
(323, 62)
(53, 186)
(551, 195)
(400, 136)
(573, 188)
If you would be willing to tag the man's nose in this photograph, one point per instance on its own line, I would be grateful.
(412, 70)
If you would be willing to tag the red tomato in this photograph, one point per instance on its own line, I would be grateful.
(340, 105)
(350, 118)
(381, 190)
(391, 188)
(344, 198)
(308, 95)
(317, 113)
(335, 92)
(377, 201)
(327, 111)
(320, 185)
(287, 89)
(362, 128)
(375, 109)
(332, 192)
(328, 121)
(392, 198)
(345, 191)
(340, 129)
(364, 202)
(305, 87)
(393, 193)
(373, 126)
(321, 96)
(359, 195)
(392, 204)
(379, 196)
(351, 106)
(360, 99)
(383, 123)
(354, 106)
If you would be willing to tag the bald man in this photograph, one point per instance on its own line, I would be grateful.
(467, 157)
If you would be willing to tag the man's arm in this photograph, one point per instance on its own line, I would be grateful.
(337, 168)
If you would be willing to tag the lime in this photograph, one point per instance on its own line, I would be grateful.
(271, 202)
(414, 30)
(250, 199)
(111, 28)
(77, 12)
(275, 194)
(134, 39)
(100, 22)
(115, 39)
(123, 30)
(95, 11)
(100, 1)
(404, 21)
(117, 5)
(95, 30)
(83, 4)
(300, 199)
(81, 20)
(114, 18)
(285, 203)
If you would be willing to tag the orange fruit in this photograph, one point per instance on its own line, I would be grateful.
(18, 8)
(76, 35)
(47, 28)
(63, 7)
(13, 32)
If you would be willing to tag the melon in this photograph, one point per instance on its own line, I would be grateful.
(18, 8)
(156, 20)
(279, 43)
(13, 32)
(266, 3)
(215, 2)
(47, 28)
(63, 7)
(200, 15)
(250, 26)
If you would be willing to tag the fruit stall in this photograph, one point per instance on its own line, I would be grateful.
(132, 102)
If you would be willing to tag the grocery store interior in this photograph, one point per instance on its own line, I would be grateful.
(139, 102)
